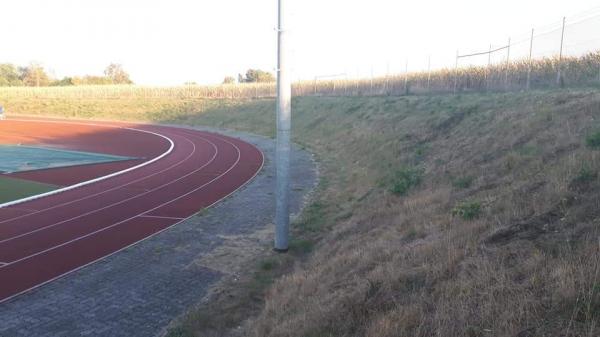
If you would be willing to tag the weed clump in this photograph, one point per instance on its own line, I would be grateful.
(406, 178)
(467, 210)
(586, 175)
(268, 264)
(584, 179)
(462, 182)
(593, 140)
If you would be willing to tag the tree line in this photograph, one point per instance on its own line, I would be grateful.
(251, 76)
(34, 75)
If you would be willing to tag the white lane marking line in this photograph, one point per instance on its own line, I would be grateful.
(128, 219)
(2, 263)
(139, 241)
(84, 183)
(109, 190)
(161, 217)
(110, 205)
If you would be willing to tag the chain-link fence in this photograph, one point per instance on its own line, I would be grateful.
(564, 54)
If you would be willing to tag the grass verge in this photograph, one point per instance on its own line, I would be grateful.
(14, 189)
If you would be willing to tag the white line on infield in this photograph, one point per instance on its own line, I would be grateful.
(68, 188)
(109, 190)
(144, 239)
(113, 204)
(131, 218)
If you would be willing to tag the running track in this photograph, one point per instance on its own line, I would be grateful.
(46, 238)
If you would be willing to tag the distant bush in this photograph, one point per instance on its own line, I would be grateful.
(10, 75)
(91, 80)
(66, 81)
(462, 182)
(586, 174)
(420, 151)
(593, 140)
(467, 210)
(256, 76)
(117, 74)
(406, 178)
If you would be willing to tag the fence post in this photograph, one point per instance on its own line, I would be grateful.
(406, 78)
(562, 37)
(371, 94)
(346, 83)
(455, 73)
(387, 80)
(429, 74)
(488, 70)
(507, 66)
(528, 84)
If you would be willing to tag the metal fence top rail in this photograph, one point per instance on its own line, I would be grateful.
(485, 52)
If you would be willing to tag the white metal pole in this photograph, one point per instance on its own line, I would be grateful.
(284, 123)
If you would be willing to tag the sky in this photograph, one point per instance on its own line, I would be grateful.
(170, 42)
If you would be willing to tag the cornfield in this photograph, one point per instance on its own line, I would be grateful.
(542, 73)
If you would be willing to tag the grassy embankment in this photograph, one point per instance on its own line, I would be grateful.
(467, 215)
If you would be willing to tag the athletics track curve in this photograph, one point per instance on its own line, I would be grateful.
(46, 238)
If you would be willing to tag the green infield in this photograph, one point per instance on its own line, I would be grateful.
(13, 188)
(18, 158)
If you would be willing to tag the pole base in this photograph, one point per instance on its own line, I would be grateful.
(278, 250)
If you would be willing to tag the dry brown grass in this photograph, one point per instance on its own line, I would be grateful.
(403, 266)
(390, 265)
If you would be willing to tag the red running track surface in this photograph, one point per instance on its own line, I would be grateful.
(80, 137)
(44, 239)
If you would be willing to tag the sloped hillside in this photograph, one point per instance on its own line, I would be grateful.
(473, 215)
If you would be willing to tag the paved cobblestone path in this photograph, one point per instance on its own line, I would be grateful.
(138, 291)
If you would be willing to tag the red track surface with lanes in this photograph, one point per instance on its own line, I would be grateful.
(43, 239)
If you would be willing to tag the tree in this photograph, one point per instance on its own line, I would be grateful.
(34, 75)
(66, 81)
(92, 80)
(9, 75)
(228, 80)
(117, 74)
(256, 76)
